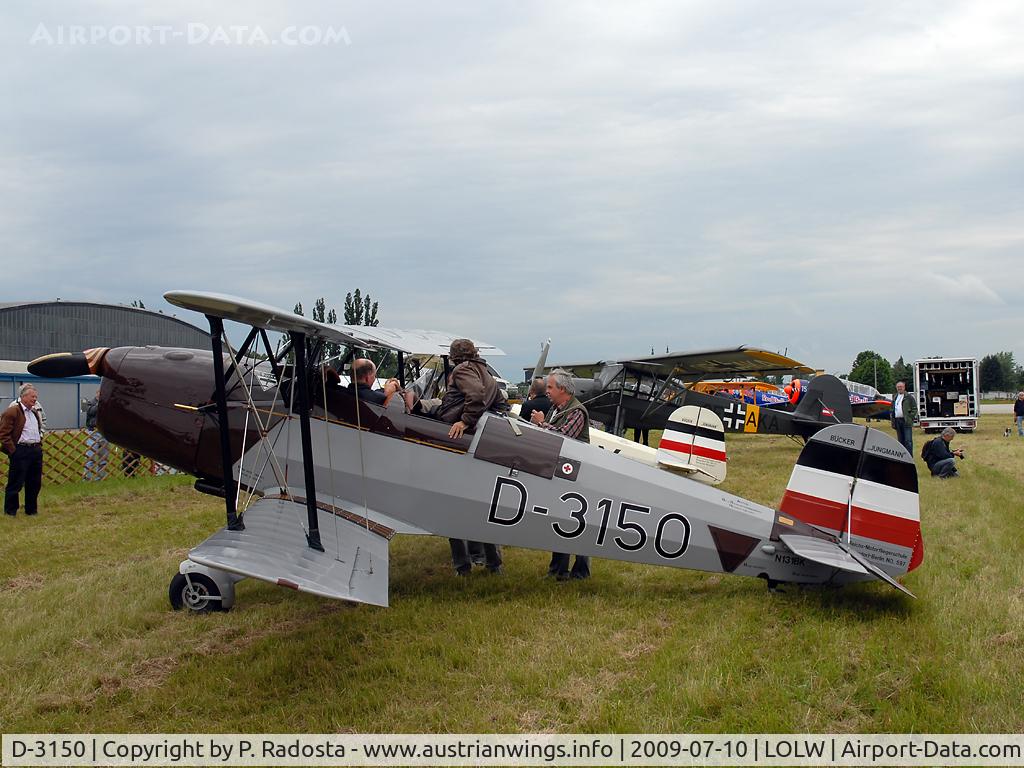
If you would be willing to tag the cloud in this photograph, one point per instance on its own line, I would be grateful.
(965, 287)
(657, 174)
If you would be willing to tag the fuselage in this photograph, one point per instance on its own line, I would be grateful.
(536, 489)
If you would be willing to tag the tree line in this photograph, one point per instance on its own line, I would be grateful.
(997, 372)
(358, 310)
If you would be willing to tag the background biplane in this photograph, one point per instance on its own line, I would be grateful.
(641, 393)
(316, 482)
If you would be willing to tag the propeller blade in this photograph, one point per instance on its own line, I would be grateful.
(61, 365)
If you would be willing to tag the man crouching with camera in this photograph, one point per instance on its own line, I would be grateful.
(941, 459)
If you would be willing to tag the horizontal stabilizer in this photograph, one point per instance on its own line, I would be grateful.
(273, 547)
(834, 555)
(822, 551)
(876, 571)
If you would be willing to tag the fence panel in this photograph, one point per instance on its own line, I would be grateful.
(77, 455)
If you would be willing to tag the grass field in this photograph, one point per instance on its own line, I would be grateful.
(88, 642)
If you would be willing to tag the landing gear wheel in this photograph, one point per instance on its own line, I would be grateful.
(198, 592)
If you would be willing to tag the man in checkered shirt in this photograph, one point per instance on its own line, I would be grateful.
(569, 417)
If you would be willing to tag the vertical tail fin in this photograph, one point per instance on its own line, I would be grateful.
(826, 399)
(538, 369)
(861, 485)
(694, 439)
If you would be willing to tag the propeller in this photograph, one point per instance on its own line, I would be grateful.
(61, 365)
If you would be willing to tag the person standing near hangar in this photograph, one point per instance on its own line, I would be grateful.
(21, 438)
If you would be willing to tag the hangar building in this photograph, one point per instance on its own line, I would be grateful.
(34, 328)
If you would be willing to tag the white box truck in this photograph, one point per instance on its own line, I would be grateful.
(947, 393)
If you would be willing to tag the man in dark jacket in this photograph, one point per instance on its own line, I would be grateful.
(21, 438)
(471, 391)
(1018, 413)
(939, 457)
(364, 374)
(904, 415)
(537, 400)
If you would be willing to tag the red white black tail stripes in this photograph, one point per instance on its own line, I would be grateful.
(850, 479)
(694, 437)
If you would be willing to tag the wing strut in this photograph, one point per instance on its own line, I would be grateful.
(299, 345)
(619, 427)
(656, 402)
(234, 522)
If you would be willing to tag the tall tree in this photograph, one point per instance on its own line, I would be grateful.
(869, 367)
(991, 374)
(360, 310)
(1009, 369)
(298, 308)
(319, 310)
(138, 304)
(902, 371)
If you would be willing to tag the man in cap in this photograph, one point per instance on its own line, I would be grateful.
(471, 391)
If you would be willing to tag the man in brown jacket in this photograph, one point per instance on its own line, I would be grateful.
(471, 391)
(21, 438)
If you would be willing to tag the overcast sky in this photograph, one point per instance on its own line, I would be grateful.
(812, 176)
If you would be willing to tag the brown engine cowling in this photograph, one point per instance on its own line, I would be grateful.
(157, 401)
(146, 403)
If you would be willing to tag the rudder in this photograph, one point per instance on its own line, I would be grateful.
(861, 486)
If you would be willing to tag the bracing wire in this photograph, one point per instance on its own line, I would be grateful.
(251, 407)
(362, 457)
(330, 458)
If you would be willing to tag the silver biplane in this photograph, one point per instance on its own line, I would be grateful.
(316, 482)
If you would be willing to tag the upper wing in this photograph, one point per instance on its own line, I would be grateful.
(587, 370)
(414, 341)
(258, 315)
(719, 363)
(735, 361)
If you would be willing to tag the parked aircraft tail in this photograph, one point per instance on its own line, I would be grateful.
(694, 440)
(852, 503)
(825, 399)
(538, 369)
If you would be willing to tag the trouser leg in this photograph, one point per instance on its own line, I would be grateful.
(944, 468)
(460, 555)
(559, 564)
(1020, 426)
(908, 437)
(492, 556)
(476, 552)
(17, 467)
(33, 479)
(581, 568)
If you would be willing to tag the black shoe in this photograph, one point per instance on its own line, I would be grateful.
(563, 576)
(496, 570)
(30, 513)
(576, 575)
(12, 514)
(463, 571)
